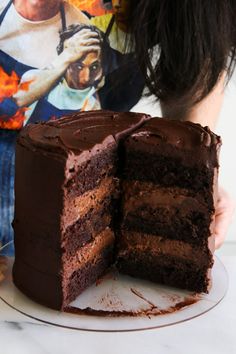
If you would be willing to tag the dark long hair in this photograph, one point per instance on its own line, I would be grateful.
(196, 41)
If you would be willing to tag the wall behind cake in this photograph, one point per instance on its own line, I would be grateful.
(226, 128)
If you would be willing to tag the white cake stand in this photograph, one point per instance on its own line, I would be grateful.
(122, 303)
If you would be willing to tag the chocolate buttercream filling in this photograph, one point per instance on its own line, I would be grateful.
(88, 253)
(137, 194)
(157, 246)
(78, 207)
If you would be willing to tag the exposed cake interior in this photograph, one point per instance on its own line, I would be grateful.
(166, 219)
(87, 238)
(87, 264)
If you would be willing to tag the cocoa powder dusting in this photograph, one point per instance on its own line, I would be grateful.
(153, 310)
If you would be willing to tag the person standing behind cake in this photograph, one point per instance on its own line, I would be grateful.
(186, 73)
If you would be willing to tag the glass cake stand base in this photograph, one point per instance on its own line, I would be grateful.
(121, 303)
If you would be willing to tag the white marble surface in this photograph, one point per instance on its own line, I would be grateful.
(213, 332)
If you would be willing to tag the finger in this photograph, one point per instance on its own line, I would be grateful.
(92, 48)
(83, 43)
(85, 30)
(89, 42)
(225, 208)
(91, 34)
(86, 33)
(221, 228)
(222, 222)
(75, 40)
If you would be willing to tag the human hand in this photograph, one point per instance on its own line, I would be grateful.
(79, 44)
(225, 208)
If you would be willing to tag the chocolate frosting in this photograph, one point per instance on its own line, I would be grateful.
(81, 132)
(190, 142)
(183, 135)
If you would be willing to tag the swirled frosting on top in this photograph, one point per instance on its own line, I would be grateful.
(81, 132)
(172, 136)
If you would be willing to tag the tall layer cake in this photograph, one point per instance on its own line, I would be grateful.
(169, 191)
(101, 187)
(65, 188)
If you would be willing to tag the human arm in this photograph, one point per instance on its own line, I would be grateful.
(225, 209)
(42, 81)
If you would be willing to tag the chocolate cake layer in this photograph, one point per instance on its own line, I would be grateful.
(174, 213)
(47, 289)
(137, 193)
(86, 276)
(86, 215)
(156, 246)
(86, 228)
(169, 172)
(173, 153)
(89, 175)
(87, 253)
(55, 290)
(39, 251)
(193, 229)
(166, 270)
(77, 207)
(87, 265)
(171, 262)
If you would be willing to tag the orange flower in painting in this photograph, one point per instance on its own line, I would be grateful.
(9, 85)
(15, 122)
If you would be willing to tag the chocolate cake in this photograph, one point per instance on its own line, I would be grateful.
(102, 187)
(65, 187)
(169, 190)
